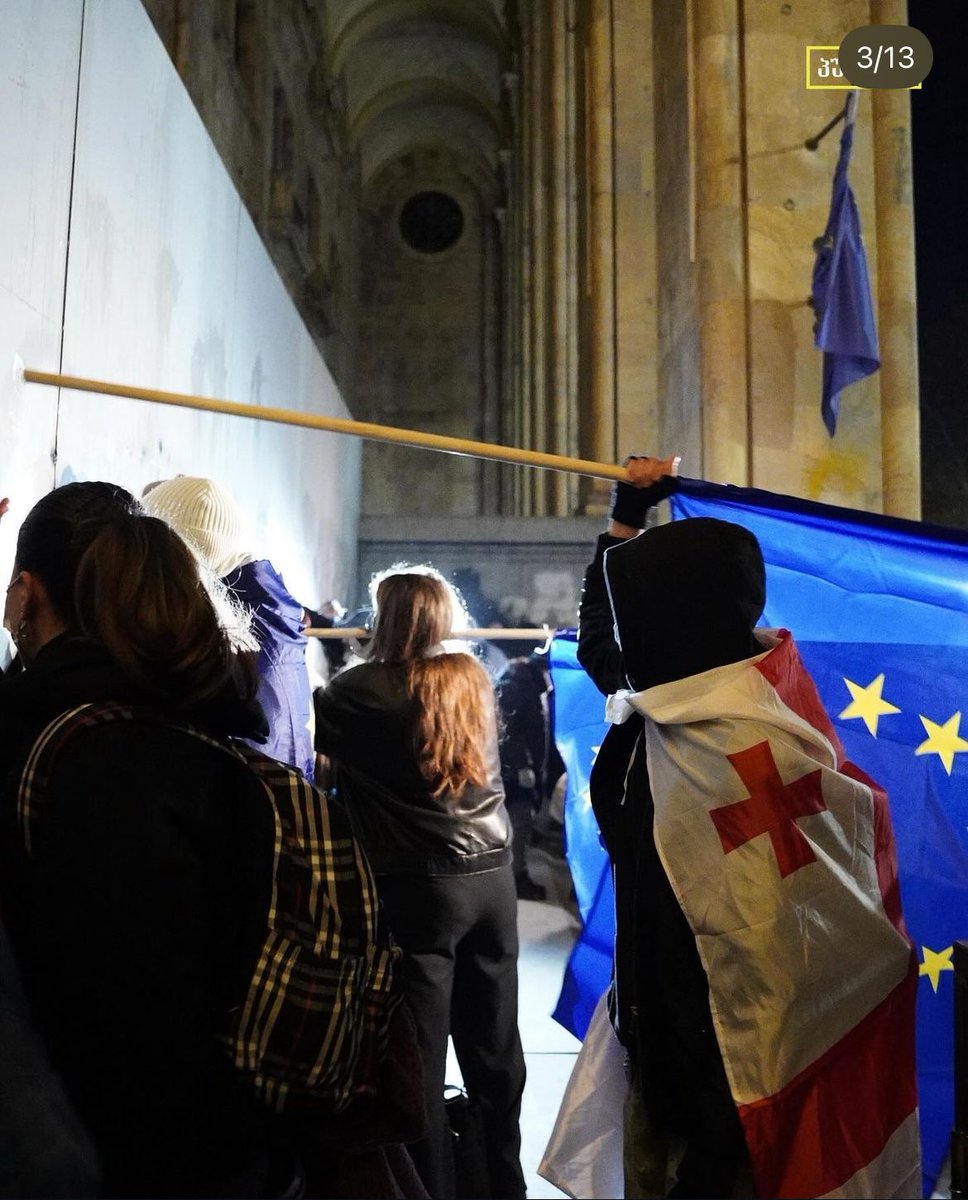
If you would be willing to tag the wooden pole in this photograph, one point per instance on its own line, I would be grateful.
(362, 429)
(474, 635)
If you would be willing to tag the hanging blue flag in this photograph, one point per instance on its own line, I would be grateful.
(841, 291)
(879, 609)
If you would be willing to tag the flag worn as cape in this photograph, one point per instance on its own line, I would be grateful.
(584, 1156)
(841, 290)
(782, 856)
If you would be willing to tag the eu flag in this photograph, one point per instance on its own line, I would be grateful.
(879, 608)
(841, 293)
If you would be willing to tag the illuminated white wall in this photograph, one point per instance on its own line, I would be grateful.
(163, 282)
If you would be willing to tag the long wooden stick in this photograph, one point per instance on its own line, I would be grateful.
(476, 635)
(362, 429)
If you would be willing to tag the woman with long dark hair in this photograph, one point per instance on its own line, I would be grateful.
(136, 910)
(412, 733)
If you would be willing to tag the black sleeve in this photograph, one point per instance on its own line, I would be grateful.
(598, 651)
(342, 727)
(318, 620)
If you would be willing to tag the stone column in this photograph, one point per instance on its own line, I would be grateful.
(490, 497)
(508, 229)
(636, 331)
(523, 487)
(562, 328)
(721, 242)
(537, 315)
(896, 289)
(598, 425)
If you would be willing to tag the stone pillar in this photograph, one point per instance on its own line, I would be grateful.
(896, 290)
(525, 128)
(598, 432)
(537, 315)
(563, 333)
(636, 332)
(678, 387)
(510, 276)
(490, 498)
(721, 241)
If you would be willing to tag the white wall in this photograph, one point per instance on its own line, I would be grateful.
(163, 282)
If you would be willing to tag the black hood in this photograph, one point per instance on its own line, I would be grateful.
(685, 598)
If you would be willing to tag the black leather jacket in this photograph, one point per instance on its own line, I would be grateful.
(365, 723)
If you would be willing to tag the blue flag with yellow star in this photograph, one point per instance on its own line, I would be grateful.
(879, 608)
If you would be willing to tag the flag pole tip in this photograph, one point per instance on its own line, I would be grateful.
(18, 371)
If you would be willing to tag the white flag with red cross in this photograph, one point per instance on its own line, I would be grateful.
(782, 856)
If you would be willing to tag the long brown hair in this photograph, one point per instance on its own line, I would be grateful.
(451, 694)
(454, 704)
(139, 593)
(415, 608)
(128, 581)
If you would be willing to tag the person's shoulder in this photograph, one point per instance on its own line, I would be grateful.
(258, 582)
(170, 768)
(369, 684)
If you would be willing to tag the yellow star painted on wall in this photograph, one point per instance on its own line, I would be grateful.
(943, 740)
(934, 962)
(868, 703)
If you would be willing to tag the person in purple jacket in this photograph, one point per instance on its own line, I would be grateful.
(208, 518)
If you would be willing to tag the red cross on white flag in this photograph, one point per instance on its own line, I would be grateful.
(772, 807)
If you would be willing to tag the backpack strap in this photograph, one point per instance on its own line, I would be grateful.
(312, 1028)
(35, 778)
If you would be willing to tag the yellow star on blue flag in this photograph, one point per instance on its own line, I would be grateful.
(943, 740)
(868, 703)
(934, 962)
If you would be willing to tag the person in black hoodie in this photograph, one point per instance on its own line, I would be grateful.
(639, 598)
(138, 911)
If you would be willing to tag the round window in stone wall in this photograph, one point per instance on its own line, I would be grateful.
(431, 222)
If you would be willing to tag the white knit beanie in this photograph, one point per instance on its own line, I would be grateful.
(208, 519)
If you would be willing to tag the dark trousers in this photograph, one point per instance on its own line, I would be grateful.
(460, 939)
(520, 806)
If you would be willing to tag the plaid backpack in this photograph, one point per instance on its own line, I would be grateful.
(311, 1029)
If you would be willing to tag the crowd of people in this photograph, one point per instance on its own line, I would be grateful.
(140, 866)
(241, 918)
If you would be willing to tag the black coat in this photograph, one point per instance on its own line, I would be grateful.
(365, 721)
(136, 918)
(660, 998)
(530, 762)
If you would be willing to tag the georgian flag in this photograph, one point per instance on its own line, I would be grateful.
(782, 856)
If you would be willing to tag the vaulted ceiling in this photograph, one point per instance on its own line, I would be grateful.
(423, 74)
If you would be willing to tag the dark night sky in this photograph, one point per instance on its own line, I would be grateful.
(940, 148)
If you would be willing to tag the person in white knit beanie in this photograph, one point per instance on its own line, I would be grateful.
(209, 519)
